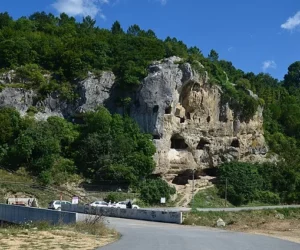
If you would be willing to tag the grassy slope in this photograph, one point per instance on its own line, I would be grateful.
(242, 218)
(25, 185)
(21, 183)
(208, 198)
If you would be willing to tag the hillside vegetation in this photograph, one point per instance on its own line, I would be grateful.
(51, 53)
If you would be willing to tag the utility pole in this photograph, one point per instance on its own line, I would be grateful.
(226, 184)
(193, 185)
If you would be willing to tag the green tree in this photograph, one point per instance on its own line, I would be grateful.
(243, 182)
(134, 30)
(88, 22)
(153, 190)
(113, 148)
(10, 122)
(116, 28)
(292, 78)
(243, 83)
(213, 56)
(5, 20)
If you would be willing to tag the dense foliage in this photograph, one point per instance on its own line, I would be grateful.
(153, 190)
(243, 182)
(103, 147)
(112, 148)
(263, 183)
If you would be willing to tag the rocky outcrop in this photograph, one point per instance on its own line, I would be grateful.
(191, 127)
(18, 98)
(92, 92)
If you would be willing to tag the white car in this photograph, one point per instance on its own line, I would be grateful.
(56, 205)
(123, 204)
(99, 204)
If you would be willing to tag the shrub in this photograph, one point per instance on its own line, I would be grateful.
(32, 110)
(112, 197)
(118, 196)
(267, 197)
(152, 190)
(243, 182)
(31, 73)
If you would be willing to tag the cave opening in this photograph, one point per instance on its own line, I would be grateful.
(235, 143)
(156, 137)
(168, 110)
(155, 109)
(208, 119)
(184, 176)
(209, 172)
(177, 142)
(188, 115)
(202, 144)
(182, 120)
(196, 87)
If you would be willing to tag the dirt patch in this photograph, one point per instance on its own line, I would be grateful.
(279, 223)
(286, 230)
(53, 239)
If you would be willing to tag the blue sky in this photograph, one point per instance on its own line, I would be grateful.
(255, 35)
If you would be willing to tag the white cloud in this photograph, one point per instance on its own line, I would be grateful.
(269, 64)
(230, 49)
(292, 22)
(80, 7)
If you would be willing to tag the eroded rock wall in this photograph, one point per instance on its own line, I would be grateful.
(92, 92)
(192, 128)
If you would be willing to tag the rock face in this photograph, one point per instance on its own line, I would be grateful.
(191, 127)
(18, 98)
(92, 92)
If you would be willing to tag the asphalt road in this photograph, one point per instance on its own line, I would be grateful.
(142, 235)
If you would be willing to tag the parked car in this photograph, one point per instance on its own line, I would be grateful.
(123, 204)
(99, 204)
(56, 205)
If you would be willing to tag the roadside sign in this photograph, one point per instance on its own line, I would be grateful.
(75, 200)
(162, 200)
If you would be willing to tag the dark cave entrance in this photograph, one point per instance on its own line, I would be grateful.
(177, 142)
(202, 144)
(235, 143)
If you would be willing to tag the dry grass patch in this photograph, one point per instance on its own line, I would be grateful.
(279, 223)
(86, 235)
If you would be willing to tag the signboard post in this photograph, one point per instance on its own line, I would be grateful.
(75, 200)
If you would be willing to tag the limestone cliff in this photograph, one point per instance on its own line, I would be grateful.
(191, 127)
(92, 92)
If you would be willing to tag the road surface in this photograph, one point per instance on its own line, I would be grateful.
(142, 235)
(228, 209)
